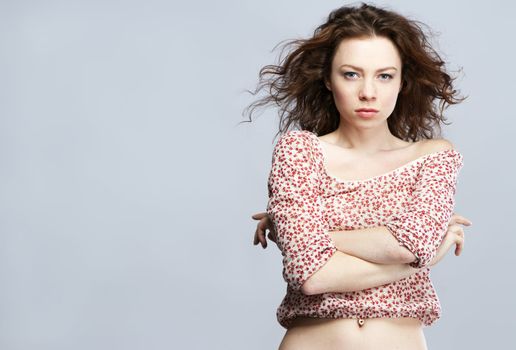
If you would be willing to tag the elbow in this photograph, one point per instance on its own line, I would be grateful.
(304, 284)
(404, 255)
(312, 285)
(421, 260)
(306, 288)
(303, 271)
(412, 249)
(308, 284)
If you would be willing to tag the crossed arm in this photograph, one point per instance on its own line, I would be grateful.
(365, 258)
(374, 244)
(317, 260)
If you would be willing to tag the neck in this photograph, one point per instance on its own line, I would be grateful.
(370, 140)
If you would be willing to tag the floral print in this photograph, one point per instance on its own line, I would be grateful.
(414, 202)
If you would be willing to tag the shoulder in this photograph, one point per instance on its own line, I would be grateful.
(296, 135)
(438, 149)
(295, 145)
(435, 145)
(441, 153)
(296, 140)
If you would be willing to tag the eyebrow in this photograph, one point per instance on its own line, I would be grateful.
(360, 69)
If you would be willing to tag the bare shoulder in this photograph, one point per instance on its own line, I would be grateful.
(435, 145)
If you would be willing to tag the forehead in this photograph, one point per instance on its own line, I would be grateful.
(369, 53)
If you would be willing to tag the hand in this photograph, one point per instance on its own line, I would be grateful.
(264, 224)
(454, 235)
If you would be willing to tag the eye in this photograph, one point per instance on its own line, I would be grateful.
(388, 76)
(347, 74)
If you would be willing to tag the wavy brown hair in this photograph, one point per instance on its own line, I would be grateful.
(297, 86)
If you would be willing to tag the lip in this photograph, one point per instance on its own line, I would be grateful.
(366, 110)
(366, 113)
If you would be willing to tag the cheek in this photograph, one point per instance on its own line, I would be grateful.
(390, 96)
(344, 95)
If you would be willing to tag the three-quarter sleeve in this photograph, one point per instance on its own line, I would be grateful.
(295, 208)
(423, 223)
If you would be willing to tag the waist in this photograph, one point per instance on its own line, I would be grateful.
(403, 333)
(398, 322)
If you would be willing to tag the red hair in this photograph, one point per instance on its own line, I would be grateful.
(297, 86)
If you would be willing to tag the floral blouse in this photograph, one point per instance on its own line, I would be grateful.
(414, 202)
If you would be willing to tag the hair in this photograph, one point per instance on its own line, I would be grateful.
(297, 86)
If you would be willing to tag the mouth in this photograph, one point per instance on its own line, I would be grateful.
(366, 113)
(366, 110)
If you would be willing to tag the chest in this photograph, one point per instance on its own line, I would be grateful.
(347, 165)
(367, 203)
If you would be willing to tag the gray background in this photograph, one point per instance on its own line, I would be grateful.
(127, 185)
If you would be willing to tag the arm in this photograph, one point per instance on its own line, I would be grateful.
(374, 244)
(423, 222)
(302, 233)
(346, 273)
(295, 209)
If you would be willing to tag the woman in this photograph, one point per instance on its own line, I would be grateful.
(361, 197)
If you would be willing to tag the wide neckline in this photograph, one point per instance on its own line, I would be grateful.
(376, 177)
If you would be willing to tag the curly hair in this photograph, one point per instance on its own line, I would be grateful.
(297, 86)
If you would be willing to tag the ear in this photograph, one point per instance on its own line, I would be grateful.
(327, 84)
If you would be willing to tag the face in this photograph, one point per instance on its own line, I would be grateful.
(366, 73)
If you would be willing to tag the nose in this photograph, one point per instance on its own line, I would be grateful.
(367, 90)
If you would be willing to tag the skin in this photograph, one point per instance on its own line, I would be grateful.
(454, 234)
(362, 148)
(366, 88)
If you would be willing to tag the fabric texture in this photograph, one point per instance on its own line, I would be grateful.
(414, 202)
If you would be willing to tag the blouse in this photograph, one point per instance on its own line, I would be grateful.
(414, 202)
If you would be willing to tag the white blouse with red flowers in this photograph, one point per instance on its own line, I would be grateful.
(414, 202)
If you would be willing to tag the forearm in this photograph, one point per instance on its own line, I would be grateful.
(347, 273)
(374, 244)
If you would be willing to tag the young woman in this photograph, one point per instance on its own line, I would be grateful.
(361, 197)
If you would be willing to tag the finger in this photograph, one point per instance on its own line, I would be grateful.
(257, 238)
(462, 220)
(271, 237)
(259, 216)
(452, 219)
(267, 224)
(263, 240)
(260, 236)
(263, 225)
(454, 228)
(459, 247)
(266, 228)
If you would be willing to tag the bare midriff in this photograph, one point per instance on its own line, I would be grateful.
(306, 333)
